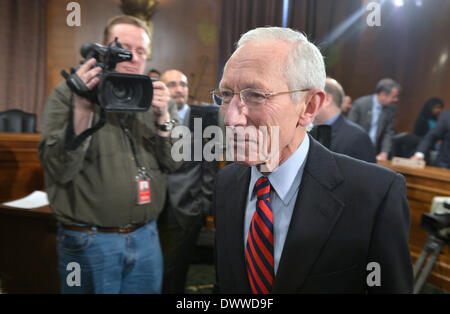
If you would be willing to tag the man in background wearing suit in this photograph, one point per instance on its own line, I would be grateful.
(299, 218)
(177, 84)
(347, 137)
(189, 196)
(440, 132)
(376, 114)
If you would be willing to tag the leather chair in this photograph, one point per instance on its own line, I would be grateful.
(17, 121)
(404, 144)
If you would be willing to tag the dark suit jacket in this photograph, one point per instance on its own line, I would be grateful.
(348, 214)
(361, 113)
(190, 187)
(350, 139)
(440, 132)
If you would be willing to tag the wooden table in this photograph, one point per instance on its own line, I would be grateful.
(28, 262)
(20, 169)
(422, 185)
(28, 259)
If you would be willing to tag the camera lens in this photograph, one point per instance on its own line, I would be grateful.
(125, 92)
(122, 91)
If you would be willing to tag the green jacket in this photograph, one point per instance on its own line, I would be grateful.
(95, 184)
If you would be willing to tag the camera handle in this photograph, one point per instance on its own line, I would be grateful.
(78, 87)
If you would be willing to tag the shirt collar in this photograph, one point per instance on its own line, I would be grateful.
(283, 177)
(183, 109)
(376, 104)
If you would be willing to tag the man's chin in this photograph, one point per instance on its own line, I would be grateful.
(263, 166)
(248, 163)
(128, 70)
(180, 104)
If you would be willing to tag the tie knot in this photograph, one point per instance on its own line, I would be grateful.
(262, 187)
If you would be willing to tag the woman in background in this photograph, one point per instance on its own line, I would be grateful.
(428, 116)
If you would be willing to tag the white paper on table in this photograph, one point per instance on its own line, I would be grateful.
(34, 200)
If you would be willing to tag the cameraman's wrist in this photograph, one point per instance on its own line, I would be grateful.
(83, 105)
(163, 118)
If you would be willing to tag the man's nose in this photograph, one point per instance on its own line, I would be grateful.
(234, 113)
(135, 57)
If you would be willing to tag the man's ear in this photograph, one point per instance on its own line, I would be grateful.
(313, 102)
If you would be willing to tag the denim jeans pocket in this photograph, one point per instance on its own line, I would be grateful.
(73, 241)
(153, 228)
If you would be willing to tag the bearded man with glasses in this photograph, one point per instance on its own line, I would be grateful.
(297, 218)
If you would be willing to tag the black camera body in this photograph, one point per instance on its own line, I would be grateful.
(116, 91)
(437, 222)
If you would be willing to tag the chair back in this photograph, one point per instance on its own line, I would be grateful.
(404, 144)
(17, 121)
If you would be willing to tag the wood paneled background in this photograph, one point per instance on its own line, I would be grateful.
(411, 45)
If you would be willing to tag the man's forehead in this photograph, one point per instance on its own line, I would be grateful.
(260, 57)
(174, 76)
(128, 30)
(268, 52)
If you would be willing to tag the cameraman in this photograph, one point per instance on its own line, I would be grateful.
(92, 176)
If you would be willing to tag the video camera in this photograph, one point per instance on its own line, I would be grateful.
(437, 222)
(115, 91)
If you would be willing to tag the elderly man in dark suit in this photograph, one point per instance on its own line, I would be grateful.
(376, 114)
(347, 137)
(440, 132)
(295, 217)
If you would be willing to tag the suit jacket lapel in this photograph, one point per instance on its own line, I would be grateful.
(238, 200)
(368, 120)
(316, 211)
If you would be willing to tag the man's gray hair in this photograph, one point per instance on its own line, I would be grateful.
(386, 85)
(304, 67)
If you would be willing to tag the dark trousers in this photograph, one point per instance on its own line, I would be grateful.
(178, 247)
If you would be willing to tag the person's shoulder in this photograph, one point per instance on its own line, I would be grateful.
(61, 94)
(230, 170)
(364, 174)
(355, 172)
(62, 88)
(445, 115)
(362, 100)
(61, 91)
(354, 127)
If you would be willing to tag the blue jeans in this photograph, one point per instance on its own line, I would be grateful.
(110, 262)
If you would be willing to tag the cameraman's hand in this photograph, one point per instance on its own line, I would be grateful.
(83, 108)
(161, 98)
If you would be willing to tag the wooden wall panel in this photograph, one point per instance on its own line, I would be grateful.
(186, 38)
(411, 45)
(64, 42)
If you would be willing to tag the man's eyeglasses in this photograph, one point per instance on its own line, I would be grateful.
(250, 97)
